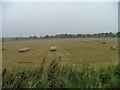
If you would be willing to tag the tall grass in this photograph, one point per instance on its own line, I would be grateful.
(63, 76)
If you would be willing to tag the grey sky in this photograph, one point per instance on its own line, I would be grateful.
(26, 19)
(0, 20)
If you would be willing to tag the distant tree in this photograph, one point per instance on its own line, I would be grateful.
(118, 34)
(47, 36)
(3, 43)
(106, 34)
(98, 35)
(102, 35)
(79, 35)
(30, 37)
(88, 35)
(16, 38)
(34, 37)
(110, 34)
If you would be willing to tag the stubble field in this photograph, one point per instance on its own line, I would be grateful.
(72, 51)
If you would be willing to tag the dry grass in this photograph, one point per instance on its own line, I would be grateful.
(72, 51)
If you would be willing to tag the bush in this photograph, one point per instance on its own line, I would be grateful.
(103, 43)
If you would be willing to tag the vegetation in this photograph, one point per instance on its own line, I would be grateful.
(99, 35)
(29, 70)
(103, 43)
(64, 76)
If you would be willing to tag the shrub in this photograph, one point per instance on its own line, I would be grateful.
(103, 43)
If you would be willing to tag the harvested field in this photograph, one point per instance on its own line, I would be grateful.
(72, 51)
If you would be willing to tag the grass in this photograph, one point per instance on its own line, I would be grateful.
(63, 76)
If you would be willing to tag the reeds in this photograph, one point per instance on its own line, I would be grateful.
(63, 76)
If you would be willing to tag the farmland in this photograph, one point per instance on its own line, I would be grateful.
(80, 62)
(72, 51)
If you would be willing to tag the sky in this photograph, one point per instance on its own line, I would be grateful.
(50, 18)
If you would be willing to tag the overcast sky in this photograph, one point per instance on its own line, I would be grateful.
(28, 19)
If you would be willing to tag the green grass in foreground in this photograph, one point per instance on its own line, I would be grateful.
(67, 76)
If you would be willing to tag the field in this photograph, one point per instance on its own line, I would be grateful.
(77, 63)
(72, 51)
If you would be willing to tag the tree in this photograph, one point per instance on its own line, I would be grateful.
(47, 36)
(34, 37)
(3, 43)
(118, 34)
(17, 38)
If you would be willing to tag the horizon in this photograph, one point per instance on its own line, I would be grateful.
(61, 34)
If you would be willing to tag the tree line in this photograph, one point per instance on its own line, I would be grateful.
(98, 35)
